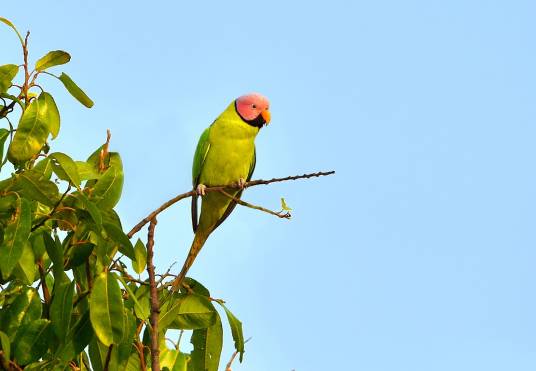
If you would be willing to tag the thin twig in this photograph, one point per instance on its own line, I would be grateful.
(219, 188)
(228, 367)
(108, 357)
(49, 216)
(155, 306)
(260, 208)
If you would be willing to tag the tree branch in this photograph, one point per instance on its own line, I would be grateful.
(155, 306)
(219, 188)
(260, 208)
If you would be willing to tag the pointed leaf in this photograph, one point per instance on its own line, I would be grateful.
(236, 330)
(26, 269)
(106, 309)
(174, 360)
(86, 171)
(61, 308)
(25, 308)
(7, 74)
(5, 344)
(51, 114)
(16, 234)
(31, 186)
(207, 344)
(8, 22)
(91, 208)
(51, 59)
(140, 252)
(32, 131)
(188, 312)
(107, 190)
(75, 91)
(32, 341)
(121, 239)
(78, 338)
(284, 205)
(65, 168)
(4, 134)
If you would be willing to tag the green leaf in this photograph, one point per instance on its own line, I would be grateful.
(16, 234)
(25, 308)
(187, 312)
(207, 344)
(51, 114)
(4, 134)
(51, 59)
(106, 309)
(7, 74)
(137, 306)
(5, 344)
(78, 254)
(120, 238)
(236, 330)
(91, 208)
(284, 205)
(32, 341)
(65, 168)
(43, 168)
(107, 190)
(86, 171)
(140, 253)
(173, 359)
(55, 253)
(195, 286)
(32, 131)
(8, 22)
(75, 91)
(32, 186)
(78, 338)
(142, 308)
(61, 308)
(26, 269)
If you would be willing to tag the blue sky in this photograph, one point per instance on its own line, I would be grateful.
(418, 254)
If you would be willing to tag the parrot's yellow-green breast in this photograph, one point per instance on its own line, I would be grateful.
(230, 157)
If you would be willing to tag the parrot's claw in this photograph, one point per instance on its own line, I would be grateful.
(241, 183)
(200, 190)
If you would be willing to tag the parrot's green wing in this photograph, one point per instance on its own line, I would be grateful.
(201, 152)
(232, 205)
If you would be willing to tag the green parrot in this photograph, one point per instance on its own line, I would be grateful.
(225, 155)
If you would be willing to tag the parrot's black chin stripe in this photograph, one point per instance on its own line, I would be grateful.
(257, 122)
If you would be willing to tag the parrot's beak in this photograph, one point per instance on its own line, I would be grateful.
(266, 116)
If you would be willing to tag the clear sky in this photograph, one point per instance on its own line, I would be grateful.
(419, 254)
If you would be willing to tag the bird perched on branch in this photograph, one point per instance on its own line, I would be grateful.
(225, 155)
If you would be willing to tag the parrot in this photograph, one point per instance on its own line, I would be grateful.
(225, 155)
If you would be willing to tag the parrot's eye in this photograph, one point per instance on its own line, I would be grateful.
(254, 106)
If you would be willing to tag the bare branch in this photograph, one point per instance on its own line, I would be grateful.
(219, 188)
(155, 305)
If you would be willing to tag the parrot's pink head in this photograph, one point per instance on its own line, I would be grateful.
(253, 109)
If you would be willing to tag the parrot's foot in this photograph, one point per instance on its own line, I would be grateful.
(241, 183)
(201, 189)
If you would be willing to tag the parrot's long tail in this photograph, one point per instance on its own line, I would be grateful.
(197, 244)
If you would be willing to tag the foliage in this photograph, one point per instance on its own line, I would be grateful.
(67, 299)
